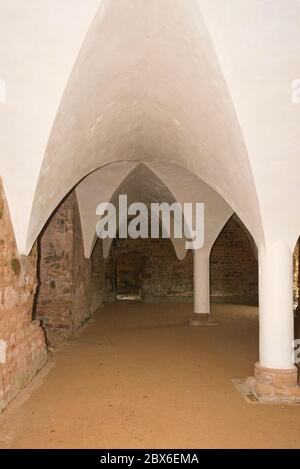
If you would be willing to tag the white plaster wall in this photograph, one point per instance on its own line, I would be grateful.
(39, 44)
(258, 47)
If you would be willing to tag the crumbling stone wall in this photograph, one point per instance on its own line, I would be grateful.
(55, 270)
(70, 288)
(26, 348)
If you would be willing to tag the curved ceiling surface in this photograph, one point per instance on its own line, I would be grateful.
(201, 84)
(147, 87)
(148, 183)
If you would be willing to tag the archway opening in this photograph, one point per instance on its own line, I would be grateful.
(234, 266)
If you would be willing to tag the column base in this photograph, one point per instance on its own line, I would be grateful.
(201, 319)
(274, 385)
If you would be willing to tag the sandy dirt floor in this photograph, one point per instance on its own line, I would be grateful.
(137, 376)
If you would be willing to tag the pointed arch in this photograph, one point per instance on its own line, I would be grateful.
(140, 119)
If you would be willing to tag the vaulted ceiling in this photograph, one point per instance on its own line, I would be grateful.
(148, 183)
(201, 85)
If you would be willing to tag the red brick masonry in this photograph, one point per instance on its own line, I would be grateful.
(26, 349)
(273, 385)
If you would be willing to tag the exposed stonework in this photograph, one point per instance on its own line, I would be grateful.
(233, 267)
(55, 292)
(153, 266)
(234, 270)
(296, 274)
(88, 281)
(26, 348)
(70, 288)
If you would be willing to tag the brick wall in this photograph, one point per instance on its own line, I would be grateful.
(73, 287)
(162, 276)
(88, 281)
(233, 267)
(55, 270)
(70, 288)
(26, 349)
(296, 275)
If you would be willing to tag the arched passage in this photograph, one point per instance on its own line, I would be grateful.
(234, 266)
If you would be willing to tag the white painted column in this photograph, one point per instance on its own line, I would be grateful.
(201, 282)
(276, 318)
